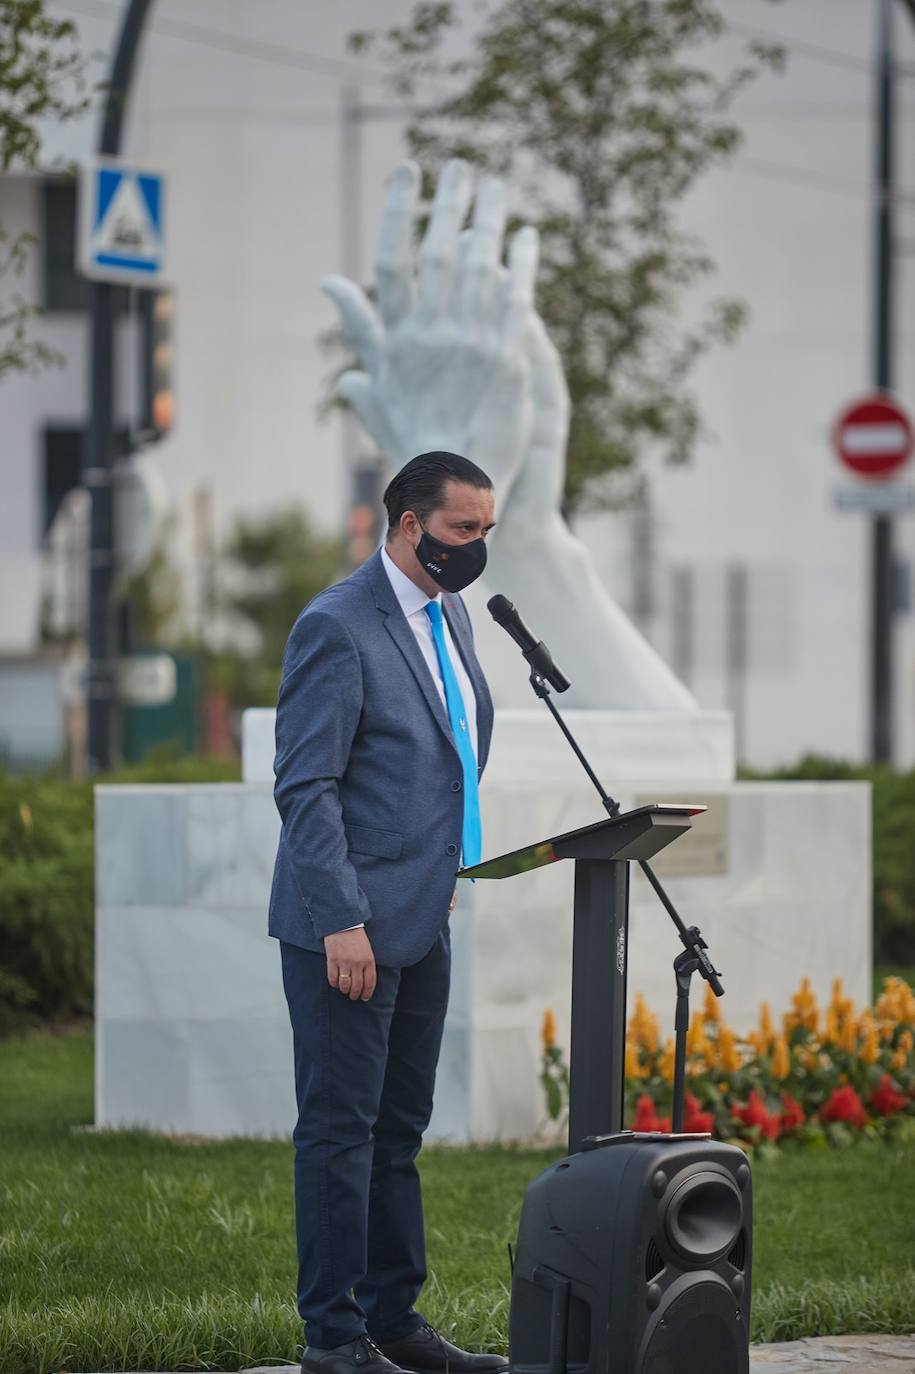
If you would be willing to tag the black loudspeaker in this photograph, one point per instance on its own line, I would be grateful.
(634, 1258)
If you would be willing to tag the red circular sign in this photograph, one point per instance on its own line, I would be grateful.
(874, 437)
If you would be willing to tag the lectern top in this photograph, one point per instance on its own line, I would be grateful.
(637, 834)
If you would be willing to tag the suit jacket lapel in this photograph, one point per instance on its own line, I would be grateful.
(397, 627)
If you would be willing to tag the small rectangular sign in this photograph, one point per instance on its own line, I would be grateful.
(122, 223)
(877, 498)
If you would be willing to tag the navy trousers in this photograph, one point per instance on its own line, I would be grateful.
(364, 1076)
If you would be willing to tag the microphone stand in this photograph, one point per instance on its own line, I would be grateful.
(693, 958)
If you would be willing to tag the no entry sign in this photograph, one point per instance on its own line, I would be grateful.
(874, 437)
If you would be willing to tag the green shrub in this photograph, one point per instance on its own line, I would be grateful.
(47, 887)
(46, 901)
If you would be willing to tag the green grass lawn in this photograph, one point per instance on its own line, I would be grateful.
(126, 1251)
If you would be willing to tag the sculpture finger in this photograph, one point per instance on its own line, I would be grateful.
(361, 330)
(394, 255)
(544, 469)
(437, 256)
(482, 264)
(356, 389)
(523, 256)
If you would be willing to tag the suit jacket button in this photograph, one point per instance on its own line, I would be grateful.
(455, 787)
(452, 849)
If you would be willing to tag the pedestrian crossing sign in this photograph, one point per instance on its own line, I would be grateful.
(122, 223)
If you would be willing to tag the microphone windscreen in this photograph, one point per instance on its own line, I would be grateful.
(500, 608)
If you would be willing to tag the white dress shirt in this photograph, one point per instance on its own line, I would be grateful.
(413, 602)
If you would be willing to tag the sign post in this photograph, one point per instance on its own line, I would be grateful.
(873, 440)
(98, 461)
(884, 284)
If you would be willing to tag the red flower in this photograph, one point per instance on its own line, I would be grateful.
(646, 1118)
(792, 1113)
(755, 1114)
(694, 1119)
(844, 1105)
(886, 1101)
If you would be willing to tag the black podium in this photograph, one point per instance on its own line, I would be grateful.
(600, 939)
(633, 1253)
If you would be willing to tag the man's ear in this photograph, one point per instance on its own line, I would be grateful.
(410, 526)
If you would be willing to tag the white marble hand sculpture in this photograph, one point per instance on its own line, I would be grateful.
(456, 358)
(444, 358)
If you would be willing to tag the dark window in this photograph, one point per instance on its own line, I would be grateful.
(64, 288)
(63, 456)
(63, 461)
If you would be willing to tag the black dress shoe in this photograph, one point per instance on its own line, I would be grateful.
(426, 1352)
(360, 1356)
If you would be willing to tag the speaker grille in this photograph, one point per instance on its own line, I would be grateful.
(738, 1252)
(700, 1332)
(654, 1261)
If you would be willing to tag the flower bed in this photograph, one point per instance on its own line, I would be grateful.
(817, 1079)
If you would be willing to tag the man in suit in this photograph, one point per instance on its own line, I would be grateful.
(383, 726)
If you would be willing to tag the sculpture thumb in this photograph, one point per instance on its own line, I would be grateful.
(356, 389)
(361, 330)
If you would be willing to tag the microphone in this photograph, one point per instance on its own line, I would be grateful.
(533, 649)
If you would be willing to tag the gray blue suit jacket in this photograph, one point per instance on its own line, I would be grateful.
(368, 780)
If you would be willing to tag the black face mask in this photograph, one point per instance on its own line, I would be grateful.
(453, 566)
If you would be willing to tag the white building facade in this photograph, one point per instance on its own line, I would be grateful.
(741, 569)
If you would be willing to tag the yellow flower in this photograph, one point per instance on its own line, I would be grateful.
(848, 1036)
(899, 1059)
(870, 1046)
(711, 1011)
(766, 1029)
(633, 1068)
(805, 1011)
(25, 815)
(548, 1033)
(697, 1042)
(895, 1006)
(728, 1053)
(666, 1066)
(644, 1029)
(781, 1059)
(762, 1038)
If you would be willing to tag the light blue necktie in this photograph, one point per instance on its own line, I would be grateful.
(471, 843)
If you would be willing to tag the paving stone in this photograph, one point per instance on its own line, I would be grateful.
(817, 1355)
(836, 1355)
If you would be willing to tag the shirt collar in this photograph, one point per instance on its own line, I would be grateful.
(410, 597)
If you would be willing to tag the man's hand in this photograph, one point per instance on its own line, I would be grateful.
(351, 964)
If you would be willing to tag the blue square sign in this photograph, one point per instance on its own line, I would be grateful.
(122, 224)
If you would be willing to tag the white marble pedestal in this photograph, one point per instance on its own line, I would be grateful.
(192, 1032)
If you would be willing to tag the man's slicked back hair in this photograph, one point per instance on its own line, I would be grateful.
(420, 485)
